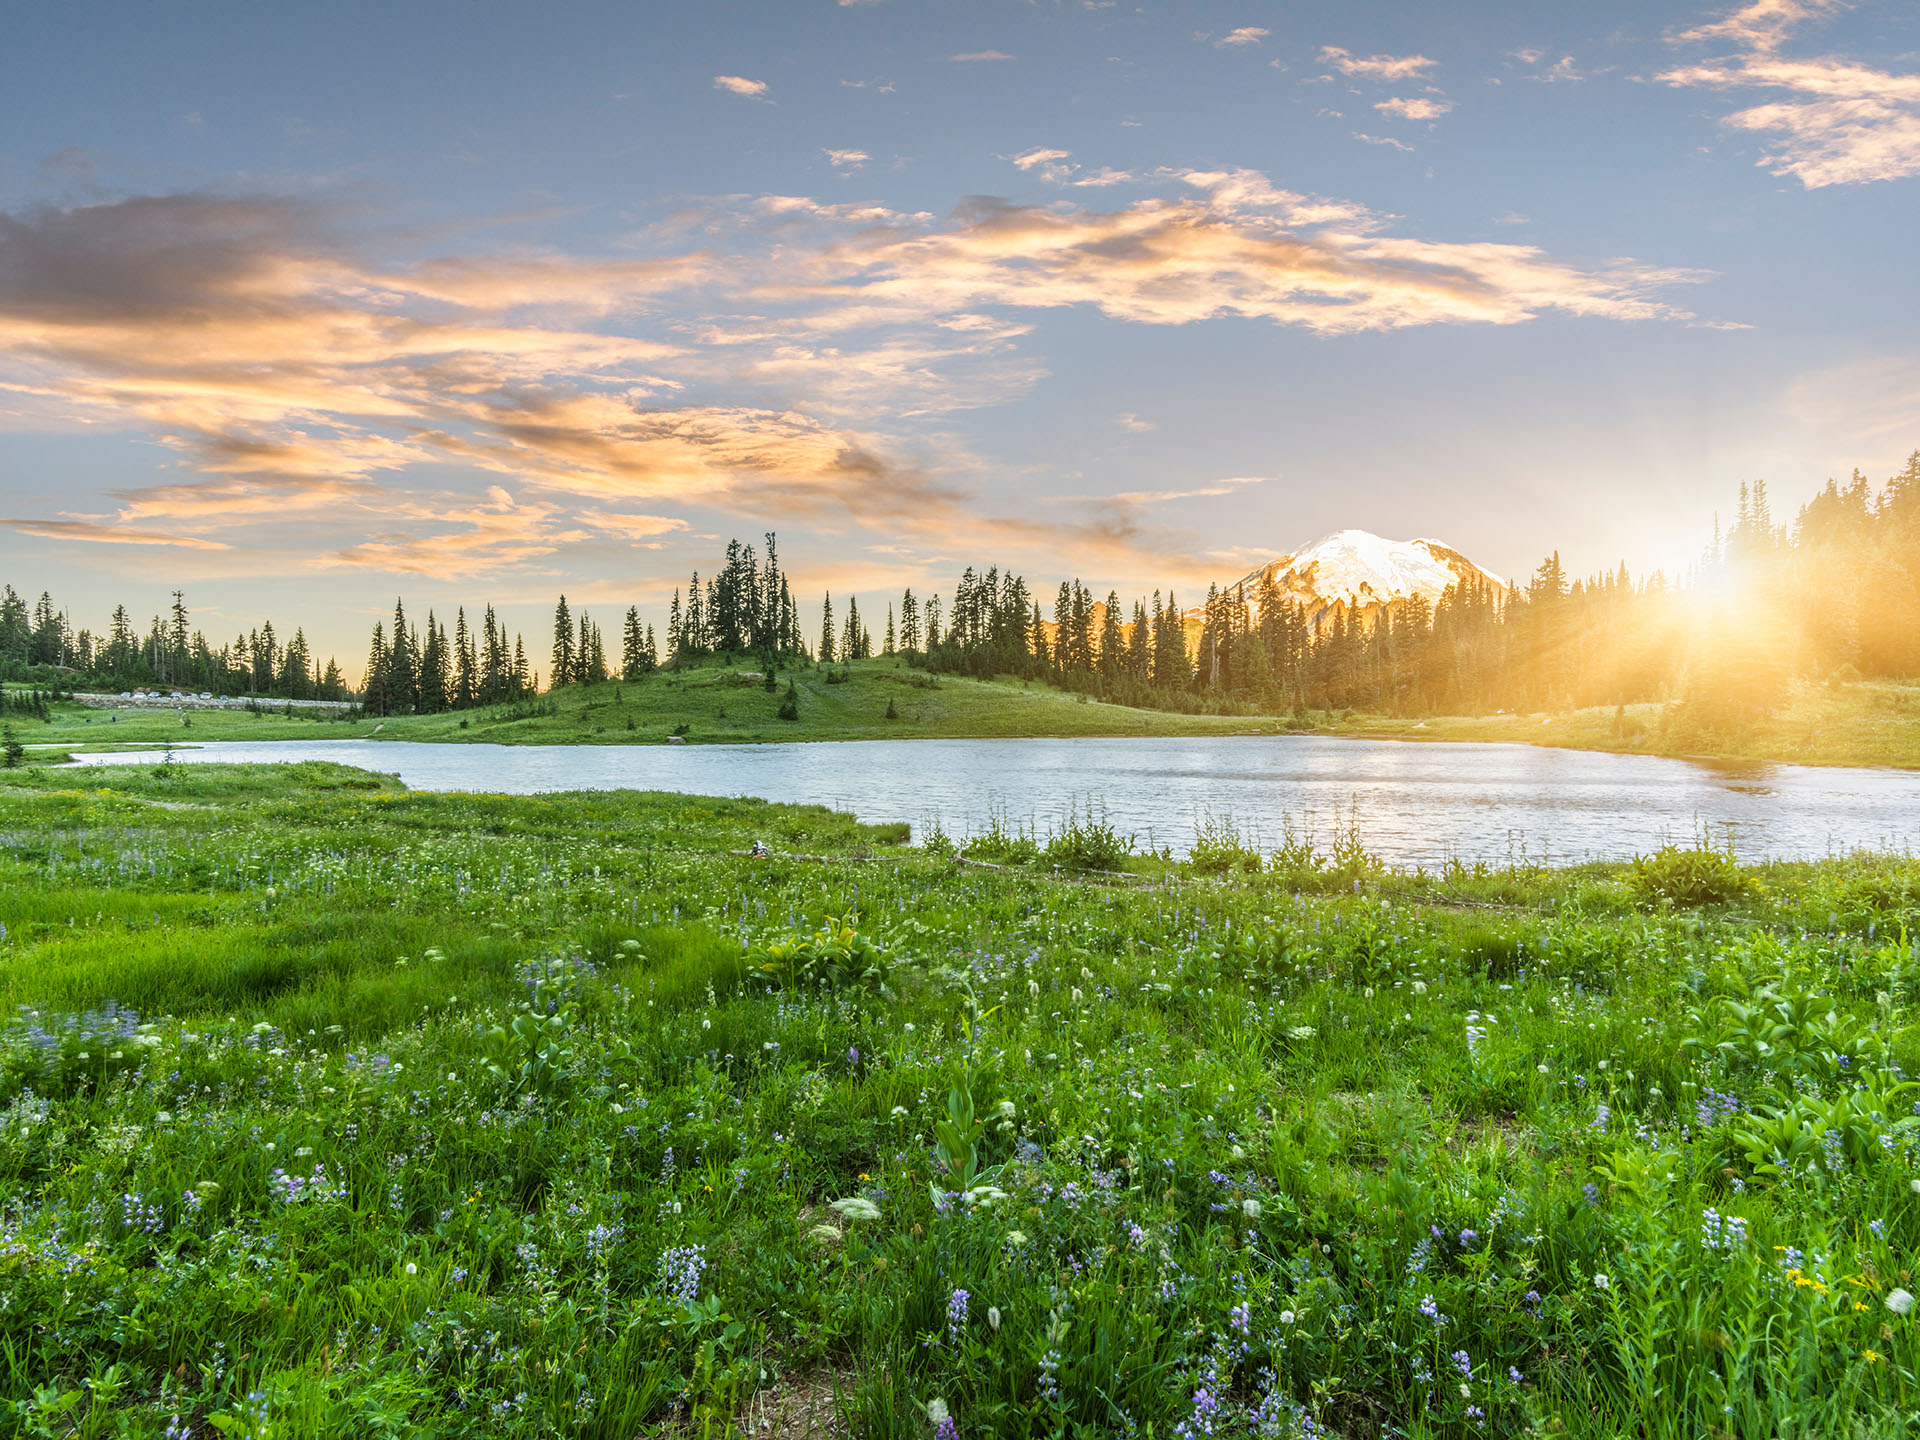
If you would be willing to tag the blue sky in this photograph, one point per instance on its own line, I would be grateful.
(301, 307)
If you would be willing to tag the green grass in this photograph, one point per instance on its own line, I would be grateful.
(714, 704)
(1324, 1141)
(1862, 723)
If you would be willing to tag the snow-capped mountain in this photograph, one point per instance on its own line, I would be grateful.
(1361, 571)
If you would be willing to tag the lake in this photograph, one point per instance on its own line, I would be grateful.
(1413, 803)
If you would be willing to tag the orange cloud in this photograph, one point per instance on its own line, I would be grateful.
(293, 374)
(108, 534)
(1172, 262)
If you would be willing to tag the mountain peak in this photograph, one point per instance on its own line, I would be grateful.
(1364, 571)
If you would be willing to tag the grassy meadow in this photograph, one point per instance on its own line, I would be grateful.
(331, 1109)
(709, 704)
(1855, 723)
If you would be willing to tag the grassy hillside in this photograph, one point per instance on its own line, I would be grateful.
(479, 1116)
(1856, 724)
(714, 704)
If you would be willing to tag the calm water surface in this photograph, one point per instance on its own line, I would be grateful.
(1413, 803)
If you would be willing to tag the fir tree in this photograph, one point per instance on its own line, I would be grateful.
(563, 651)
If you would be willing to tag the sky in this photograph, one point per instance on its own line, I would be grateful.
(306, 307)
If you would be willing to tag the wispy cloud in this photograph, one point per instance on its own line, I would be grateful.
(1414, 109)
(847, 161)
(1846, 123)
(1761, 26)
(109, 534)
(740, 85)
(1055, 167)
(1375, 67)
(1131, 421)
(293, 371)
(1240, 248)
(1244, 36)
(1386, 140)
(973, 56)
(499, 534)
(1227, 486)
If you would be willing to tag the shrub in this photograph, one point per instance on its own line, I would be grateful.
(1689, 879)
(834, 957)
(1088, 844)
(1218, 848)
(1001, 845)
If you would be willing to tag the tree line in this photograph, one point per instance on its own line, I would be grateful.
(1833, 594)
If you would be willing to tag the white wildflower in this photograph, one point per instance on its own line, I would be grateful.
(856, 1207)
(1899, 1301)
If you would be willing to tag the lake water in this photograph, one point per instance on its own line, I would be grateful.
(1413, 803)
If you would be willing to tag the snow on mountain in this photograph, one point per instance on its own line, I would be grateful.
(1360, 570)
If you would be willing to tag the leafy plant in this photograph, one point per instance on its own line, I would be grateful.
(1689, 878)
(1087, 844)
(1218, 848)
(837, 956)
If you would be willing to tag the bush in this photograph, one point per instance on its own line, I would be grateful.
(1218, 848)
(834, 957)
(1001, 845)
(1088, 844)
(1689, 879)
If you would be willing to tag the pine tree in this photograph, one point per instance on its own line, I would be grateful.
(826, 630)
(373, 684)
(435, 682)
(909, 623)
(632, 645)
(403, 666)
(562, 673)
(466, 669)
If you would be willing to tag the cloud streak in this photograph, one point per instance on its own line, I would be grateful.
(1375, 67)
(1840, 123)
(1241, 248)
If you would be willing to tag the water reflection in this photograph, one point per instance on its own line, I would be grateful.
(1415, 804)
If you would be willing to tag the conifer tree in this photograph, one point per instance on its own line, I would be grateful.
(909, 622)
(466, 670)
(826, 630)
(563, 652)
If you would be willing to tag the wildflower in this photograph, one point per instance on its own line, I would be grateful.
(680, 1271)
(1601, 1282)
(1899, 1301)
(956, 1314)
(1251, 1208)
(412, 1269)
(1015, 1239)
(856, 1207)
(1286, 1317)
(937, 1411)
(993, 1317)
